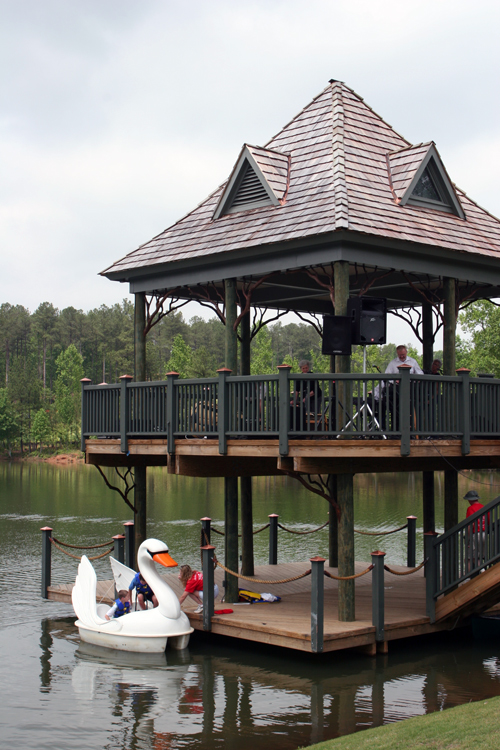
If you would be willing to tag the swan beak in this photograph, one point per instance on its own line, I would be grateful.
(164, 559)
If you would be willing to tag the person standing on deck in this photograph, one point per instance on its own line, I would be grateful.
(477, 540)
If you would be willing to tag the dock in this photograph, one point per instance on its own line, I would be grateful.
(287, 624)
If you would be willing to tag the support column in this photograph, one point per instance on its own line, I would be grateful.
(333, 526)
(344, 481)
(140, 495)
(449, 368)
(428, 476)
(428, 501)
(247, 559)
(231, 483)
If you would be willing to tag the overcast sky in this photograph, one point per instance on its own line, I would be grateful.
(118, 116)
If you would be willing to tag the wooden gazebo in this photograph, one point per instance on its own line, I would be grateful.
(336, 205)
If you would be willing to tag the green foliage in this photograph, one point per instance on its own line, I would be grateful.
(69, 366)
(203, 364)
(8, 424)
(180, 357)
(41, 430)
(262, 357)
(481, 321)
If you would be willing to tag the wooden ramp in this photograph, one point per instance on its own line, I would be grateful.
(288, 623)
(472, 597)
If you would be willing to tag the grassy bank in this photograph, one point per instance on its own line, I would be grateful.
(473, 726)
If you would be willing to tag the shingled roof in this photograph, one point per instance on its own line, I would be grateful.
(336, 167)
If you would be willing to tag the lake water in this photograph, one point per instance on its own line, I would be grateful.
(55, 693)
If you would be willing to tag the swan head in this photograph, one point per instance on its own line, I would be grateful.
(158, 551)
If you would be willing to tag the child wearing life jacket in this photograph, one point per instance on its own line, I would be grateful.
(144, 592)
(192, 580)
(120, 607)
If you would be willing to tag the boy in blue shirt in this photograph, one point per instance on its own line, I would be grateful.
(144, 592)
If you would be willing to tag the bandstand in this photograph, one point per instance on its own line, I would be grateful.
(336, 205)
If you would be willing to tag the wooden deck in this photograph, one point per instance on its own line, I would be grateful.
(260, 457)
(288, 622)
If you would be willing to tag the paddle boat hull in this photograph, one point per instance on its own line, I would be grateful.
(152, 644)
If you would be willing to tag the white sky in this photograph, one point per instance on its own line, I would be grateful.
(118, 116)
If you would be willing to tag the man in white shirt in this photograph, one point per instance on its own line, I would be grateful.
(403, 359)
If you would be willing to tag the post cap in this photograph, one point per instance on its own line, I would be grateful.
(284, 367)
(118, 536)
(463, 369)
(224, 369)
(407, 517)
(46, 528)
(273, 515)
(205, 518)
(85, 380)
(207, 546)
(378, 553)
(318, 558)
(173, 372)
(126, 377)
(128, 523)
(404, 367)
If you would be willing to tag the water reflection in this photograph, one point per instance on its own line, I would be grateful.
(213, 695)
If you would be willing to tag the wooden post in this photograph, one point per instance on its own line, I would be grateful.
(231, 336)
(405, 408)
(284, 407)
(171, 411)
(140, 490)
(223, 408)
(431, 574)
(129, 529)
(411, 547)
(206, 524)
(428, 501)
(317, 603)
(427, 337)
(378, 595)
(450, 499)
(345, 500)
(119, 548)
(231, 537)
(124, 412)
(84, 382)
(344, 481)
(333, 526)
(449, 328)
(247, 558)
(46, 560)
(464, 373)
(246, 500)
(207, 552)
(273, 539)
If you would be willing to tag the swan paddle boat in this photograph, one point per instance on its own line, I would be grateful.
(145, 631)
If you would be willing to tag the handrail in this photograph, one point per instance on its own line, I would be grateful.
(382, 406)
(462, 552)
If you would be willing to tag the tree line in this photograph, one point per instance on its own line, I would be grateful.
(44, 355)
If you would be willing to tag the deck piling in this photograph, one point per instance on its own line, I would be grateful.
(46, 560)
(317, 603)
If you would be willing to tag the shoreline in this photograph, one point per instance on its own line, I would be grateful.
(69, 457)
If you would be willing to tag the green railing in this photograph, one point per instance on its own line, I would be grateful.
(290, 406)
(462, 552)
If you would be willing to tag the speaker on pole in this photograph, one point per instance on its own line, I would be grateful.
(369, 319)
(336, 334)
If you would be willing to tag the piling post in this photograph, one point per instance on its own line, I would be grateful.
(124, 412)
(284, 407)
(412, 541)
(129, 528)
(46, 560)
(378, 595)
(207, 552)
(231, 536)
(206, 530)
(119, 548)
(273, 539)
(84, 382)
(317, 603)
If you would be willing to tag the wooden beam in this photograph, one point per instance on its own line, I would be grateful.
(223, 466)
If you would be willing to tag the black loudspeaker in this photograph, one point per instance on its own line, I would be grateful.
(369, 320)
(336, 335)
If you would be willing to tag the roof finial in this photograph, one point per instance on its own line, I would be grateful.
(332, 80)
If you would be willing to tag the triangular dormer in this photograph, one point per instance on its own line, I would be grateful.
(259, 178)
(418, 178)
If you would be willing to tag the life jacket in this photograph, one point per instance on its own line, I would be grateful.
(122, 608)
(142, 588)
(253, 597)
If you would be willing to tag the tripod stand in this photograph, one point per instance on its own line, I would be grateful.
(365, 411)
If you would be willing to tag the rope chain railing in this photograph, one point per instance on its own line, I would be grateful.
(349, 578)
(313, 531)
(261, 580)
(81, 546)
(79, 557)
(380, 533)
(406, 572)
